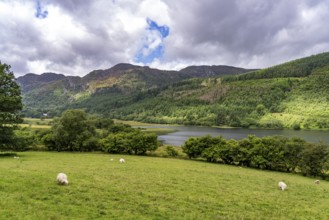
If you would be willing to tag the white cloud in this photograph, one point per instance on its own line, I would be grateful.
(156, 10)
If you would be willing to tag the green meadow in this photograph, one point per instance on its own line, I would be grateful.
(151, 188)
(36, 123)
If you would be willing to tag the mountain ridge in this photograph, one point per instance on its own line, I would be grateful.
(32, 80)
(189, 70)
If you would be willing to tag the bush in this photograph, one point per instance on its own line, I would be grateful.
(270, 153)
(272, 124)
(315, 159)
(296, 126)
(7, 154)
(171, 151)
(25, 140)
(194, 147)
(135, 142)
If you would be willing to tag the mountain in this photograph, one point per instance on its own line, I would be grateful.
(31, 80)
(51, 92)
(293, 95)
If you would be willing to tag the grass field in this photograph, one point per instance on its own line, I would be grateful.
(36, 123)
(151, 188)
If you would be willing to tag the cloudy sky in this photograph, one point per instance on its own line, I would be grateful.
(74, 37)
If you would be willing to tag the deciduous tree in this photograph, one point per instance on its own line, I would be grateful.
(10, 107)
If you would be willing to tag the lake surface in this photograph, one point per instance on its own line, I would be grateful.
(182, 133)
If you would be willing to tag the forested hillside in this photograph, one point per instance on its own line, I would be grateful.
(292, 95)
(51, 93)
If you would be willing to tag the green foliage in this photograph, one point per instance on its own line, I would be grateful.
(194, 147)
(76, 131)
(315, 160)
(25, 140)
(72, 132)
(101, 122)
(297, 68)
(135, 142)
(8, 154)
(296, 126)
(270, 153)
(10, 107)
(172, 151)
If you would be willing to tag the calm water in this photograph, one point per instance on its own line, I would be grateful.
(182, 133)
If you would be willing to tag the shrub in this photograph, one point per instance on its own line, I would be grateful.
(135, 142)
(296, 126)
(315, 159)
(171, 151)
(7, 154)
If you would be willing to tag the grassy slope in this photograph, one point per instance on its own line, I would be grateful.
(151, 188)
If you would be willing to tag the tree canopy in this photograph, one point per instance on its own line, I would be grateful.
(10, 107)
(270, 153)
(72, 132)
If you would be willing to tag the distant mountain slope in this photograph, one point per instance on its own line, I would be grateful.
(297, 68)
(31, 80)
(213, 71)
(51, 92)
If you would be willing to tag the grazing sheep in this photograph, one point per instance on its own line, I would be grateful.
(282, 185)
(122, 160)
(15, 157)
(62, 179)
(317, 181)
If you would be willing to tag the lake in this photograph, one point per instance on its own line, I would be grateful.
(182, 133)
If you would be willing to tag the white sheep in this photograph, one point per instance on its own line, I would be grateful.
(15, 157)
(62, 179)
(317, 181)
(122, 160)
(282, 185)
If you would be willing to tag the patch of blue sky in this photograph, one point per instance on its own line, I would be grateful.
(144, 57)
(163, 30)
(153, 47)
(40, 12)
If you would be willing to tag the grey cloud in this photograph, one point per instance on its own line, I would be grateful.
(18, 44)
(234, 26)
(244, 28)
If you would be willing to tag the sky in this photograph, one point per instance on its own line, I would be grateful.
(74, 37)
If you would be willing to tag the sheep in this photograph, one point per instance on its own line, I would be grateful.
(282, 185)
(317, 181)
(15, 157)
(62, 179)
(122, 160)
